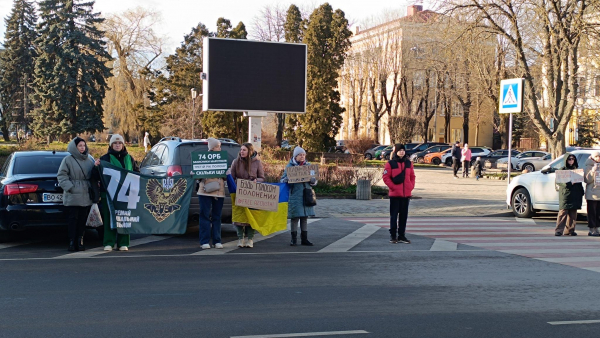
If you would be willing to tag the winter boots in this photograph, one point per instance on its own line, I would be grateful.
(304, 238)
(294, 240)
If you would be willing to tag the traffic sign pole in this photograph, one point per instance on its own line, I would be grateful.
(510, 123)
(511, 101)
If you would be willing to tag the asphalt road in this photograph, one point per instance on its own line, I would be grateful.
(352, 283)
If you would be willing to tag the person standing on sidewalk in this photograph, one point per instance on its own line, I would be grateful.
(146, 142)
(297, 211)
(477, 168)
(570, 197)
(211, 196)
(118, 156)
(247, 166)
(399, 176)
(592, 193)
(466, 160)
(456, 155)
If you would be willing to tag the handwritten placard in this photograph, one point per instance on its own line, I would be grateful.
(566, 176)
(256, 195)
(209, 164)
(302, 173)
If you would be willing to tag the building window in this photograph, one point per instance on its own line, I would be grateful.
(456, 109)
(456, 135)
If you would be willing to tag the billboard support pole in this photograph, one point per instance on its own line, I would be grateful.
(255, 128)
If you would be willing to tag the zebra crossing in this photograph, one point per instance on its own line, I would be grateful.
(522, 237)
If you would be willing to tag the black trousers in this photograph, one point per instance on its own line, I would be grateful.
(593, 216)
(398, 215)
(455, 165)
(77, 219)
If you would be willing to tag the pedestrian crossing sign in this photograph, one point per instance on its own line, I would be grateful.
(511, 96)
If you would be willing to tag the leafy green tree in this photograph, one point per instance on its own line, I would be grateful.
(70, 71)
(328, 39)
(293, 29)
(16, 70)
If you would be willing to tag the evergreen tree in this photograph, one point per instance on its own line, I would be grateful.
(70, 72)
(16, 70)
(293, 29)
(586, 131)
(328, 39)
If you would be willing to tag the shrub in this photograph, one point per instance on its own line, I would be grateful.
(359, 146)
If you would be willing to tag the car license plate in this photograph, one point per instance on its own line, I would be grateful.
(56, 198)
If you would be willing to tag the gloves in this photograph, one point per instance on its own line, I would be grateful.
(313, 181)
(284, 180)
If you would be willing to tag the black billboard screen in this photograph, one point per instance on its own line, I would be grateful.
(247, 75)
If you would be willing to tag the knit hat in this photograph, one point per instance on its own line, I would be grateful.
(213, 143)
(298, 151)
(399, 146)
(115, 138)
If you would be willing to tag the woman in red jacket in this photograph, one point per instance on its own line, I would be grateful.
(399, 176)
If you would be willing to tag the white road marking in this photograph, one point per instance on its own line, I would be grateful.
(570, 259)
(442, 245)
(525, 220)
(100, 250)
(546, 251)
(559, 244)
(573, 322)
(304, 334)
(350, 241)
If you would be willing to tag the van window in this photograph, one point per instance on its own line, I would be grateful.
(164, 158)
(4, 170)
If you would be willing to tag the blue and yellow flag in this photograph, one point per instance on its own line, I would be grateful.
(265, 222)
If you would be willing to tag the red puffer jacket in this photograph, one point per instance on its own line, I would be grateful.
(399, 190)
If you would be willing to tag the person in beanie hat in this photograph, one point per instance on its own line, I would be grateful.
(118, 156)
(211, 196)
(592, 193)
(399, 176)
(297, 211)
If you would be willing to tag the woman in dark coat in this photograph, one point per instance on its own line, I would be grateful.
(570, 196)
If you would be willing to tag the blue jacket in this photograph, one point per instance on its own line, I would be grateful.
(296, 206)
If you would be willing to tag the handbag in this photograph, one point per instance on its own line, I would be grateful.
(211, 187)
(310, 198)
(94, 219)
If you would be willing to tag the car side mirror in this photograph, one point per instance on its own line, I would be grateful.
(547, 170)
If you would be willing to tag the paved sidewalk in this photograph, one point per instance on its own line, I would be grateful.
(437, 194)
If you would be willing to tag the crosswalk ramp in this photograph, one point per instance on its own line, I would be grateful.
(512, 236)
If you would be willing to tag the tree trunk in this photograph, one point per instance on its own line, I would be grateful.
(556, 144)
(477, 134)
(280, 127)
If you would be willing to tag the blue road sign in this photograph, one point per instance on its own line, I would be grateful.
(511, 96)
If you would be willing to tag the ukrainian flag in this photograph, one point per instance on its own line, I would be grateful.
(265, 222)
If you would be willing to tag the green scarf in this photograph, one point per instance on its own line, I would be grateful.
(116, 163)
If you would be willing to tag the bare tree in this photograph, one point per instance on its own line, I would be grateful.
(268, 24)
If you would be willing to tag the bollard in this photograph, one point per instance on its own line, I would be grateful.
(363, 190)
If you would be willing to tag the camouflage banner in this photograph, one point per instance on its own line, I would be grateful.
(143, 204)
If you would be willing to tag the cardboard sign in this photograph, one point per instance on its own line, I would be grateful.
(577, 176)
(209, 164)
(302, 173)
(566, 176)
(257, 195)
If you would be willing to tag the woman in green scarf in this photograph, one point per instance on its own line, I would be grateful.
(117, 155)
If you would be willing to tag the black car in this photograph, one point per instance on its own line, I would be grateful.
(370, 154)
(386, 154)
(410, 149)
(30, 194)
(419, 157)
(489, 160)
(172, 156)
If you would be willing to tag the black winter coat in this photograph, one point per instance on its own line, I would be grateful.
(570, 196)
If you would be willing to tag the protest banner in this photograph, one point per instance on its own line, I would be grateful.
(209, 164)
(302, 173)
(566, 176)
(256, 195)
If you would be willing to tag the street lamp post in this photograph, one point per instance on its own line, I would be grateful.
(194, 95)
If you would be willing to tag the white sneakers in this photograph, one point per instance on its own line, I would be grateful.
(108, 248)
(218, 246)
(240, 243)
(123, 248)
(205, 246)
(245, 243)
(249, 244)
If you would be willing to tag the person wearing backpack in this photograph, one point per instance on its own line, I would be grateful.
(399, 176)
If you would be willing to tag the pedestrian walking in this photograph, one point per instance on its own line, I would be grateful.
(399, 176)
(570, 198)
(74, 177)
(592, 193)
(146, 142)
(466, 160)
(118, 156)
(298, 212)
(211, 196)
(477, 168)
(456, 155)
(247, 166)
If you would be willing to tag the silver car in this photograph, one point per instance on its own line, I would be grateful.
(533, 163)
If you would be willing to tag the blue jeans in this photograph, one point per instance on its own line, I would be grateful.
(210, 214)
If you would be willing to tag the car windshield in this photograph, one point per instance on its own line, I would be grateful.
(43, 164)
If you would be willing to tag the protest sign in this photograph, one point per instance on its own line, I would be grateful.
(577, 176)
(209, 164)
(256, 195)
(566, 176)
(302, 173)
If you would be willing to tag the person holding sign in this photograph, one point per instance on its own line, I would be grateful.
(298, 211)
(211, 195)
(570, 196)
(399, 176)
(592, 192)
(247, 166)
(118, 156)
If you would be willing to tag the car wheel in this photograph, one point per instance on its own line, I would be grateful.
(436, 161)
(448, 162)
(420, 160)
(368, 156)
(521, 204)
(529, 167)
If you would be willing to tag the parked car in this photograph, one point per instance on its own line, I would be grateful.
(285, 145)
(411, 148)
(489, 160)
(340, 146)
(531, 192)
(533, 163)
(228, 140)
(30, 194)
(503, 162)
(172, 156)
(435, 158)
(419, 157)
(379, 153)
(475, 152)
(371, 153)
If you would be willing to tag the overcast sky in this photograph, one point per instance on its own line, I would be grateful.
(179, 16)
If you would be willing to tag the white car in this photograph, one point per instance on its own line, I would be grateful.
(523, 155)
(528, 193)
(475, 151)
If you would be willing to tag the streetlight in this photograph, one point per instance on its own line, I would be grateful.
(194, 95)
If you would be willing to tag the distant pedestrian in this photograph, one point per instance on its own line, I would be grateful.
(74, 177)
(146, 142)
(456, 155)
(297, 210)
(466, 160)
(570, 196)
(592, 193)
(478, 168)
(399, 176)
(247, 166)
(211, 196)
